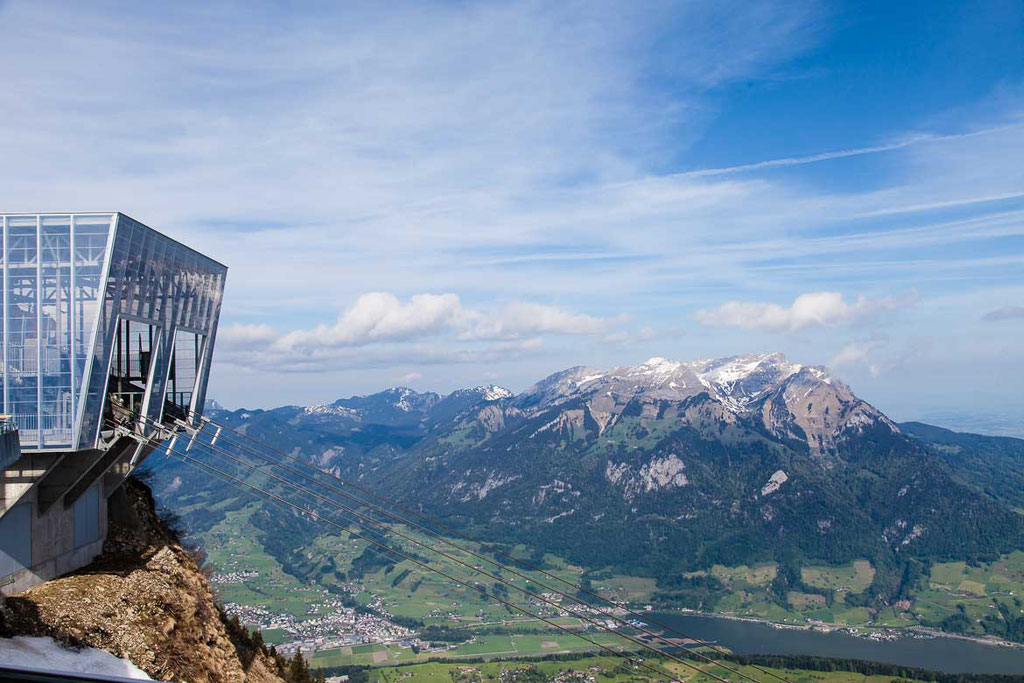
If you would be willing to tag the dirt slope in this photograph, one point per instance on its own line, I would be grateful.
(145, 599)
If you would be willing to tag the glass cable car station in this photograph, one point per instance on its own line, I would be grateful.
(106, 324)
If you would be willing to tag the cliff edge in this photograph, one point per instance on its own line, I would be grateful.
(147, 600)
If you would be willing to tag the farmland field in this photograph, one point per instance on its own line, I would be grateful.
(628, 588)
(606, 670)
(487, 646)
(852, 578)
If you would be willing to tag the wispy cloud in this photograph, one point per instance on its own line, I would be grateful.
(845, 153)
(859, 353)
(517, 164)
(815, 309)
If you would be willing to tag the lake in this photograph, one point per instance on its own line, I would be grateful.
(950, 655)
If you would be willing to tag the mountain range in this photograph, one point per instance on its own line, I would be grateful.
(670, 466)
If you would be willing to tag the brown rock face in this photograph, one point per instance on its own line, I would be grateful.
(145, 599)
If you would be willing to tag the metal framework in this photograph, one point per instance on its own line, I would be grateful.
(78, 290)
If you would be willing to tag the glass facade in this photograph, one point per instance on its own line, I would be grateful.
(96, 303)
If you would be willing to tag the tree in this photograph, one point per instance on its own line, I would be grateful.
(298, 669)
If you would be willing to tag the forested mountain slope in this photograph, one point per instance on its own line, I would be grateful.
(664, 467)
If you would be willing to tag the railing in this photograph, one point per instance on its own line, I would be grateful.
(30, 422)
(8, 424)
(10, 441)
(56, 430)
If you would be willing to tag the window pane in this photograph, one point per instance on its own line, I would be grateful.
(56, 416)
(23, 340)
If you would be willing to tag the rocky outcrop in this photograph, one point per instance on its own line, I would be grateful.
(659, 474)
(146, 600)
(794, 402)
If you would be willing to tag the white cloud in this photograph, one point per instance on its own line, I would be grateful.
(380, 316)
(380, 328)
(323, 360)
(519, 318)
(814, 309)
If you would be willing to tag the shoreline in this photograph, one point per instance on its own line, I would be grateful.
(825, 628)
(974, 662)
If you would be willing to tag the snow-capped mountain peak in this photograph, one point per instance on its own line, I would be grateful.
(733, 369)
(402, 395)
(493, 392)
(791, 399)
(735, 380)
(483, 392)
(739, 380)
(330, 409)
(660, 364)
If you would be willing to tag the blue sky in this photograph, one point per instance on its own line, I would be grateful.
(449, 194)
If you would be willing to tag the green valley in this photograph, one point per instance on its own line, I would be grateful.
(343, 572)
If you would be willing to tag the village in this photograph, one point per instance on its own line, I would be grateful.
(336, 626)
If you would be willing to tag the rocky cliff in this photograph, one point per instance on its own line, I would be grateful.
(146, 600)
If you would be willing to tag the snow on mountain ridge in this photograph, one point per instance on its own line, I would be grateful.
(740, 380)
(403, 394)
(328, 409)
(486, 392)
(792, 400)
(493, 392)
(736, 381)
